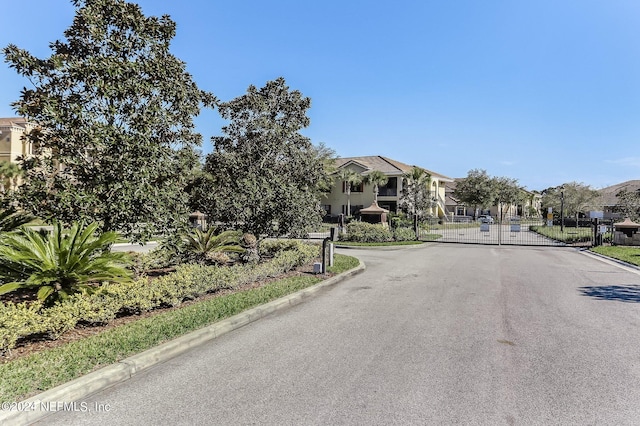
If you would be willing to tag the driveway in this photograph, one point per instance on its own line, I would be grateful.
(442, 334)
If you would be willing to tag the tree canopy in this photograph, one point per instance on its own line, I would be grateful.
(578, 198)
(264, 175)
(113, 110)
(475, 190)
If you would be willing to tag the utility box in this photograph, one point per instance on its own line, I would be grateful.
(317, 268)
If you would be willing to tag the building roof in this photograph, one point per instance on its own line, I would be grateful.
(12, 121)
(386, 165)
(608, 194)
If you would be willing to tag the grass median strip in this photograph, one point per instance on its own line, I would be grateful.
(44, 370)
(626, 254)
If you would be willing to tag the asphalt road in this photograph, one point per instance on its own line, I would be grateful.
(442, 334)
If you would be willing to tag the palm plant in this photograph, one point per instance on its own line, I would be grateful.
(60, 263)
(416, 193)
(11, 219)
(349, 177)
(205, 247)
(376, 178)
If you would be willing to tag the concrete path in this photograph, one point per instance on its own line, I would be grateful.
(442, 334)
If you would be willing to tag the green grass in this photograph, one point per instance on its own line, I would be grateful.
(570, 235)
(626, 254)
(430, 237)
(44, 370)
(383, 244)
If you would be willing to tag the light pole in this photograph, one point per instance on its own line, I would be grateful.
(562, 209)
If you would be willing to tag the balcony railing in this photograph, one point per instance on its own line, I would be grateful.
(387, 192)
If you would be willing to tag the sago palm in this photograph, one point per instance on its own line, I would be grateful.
(11, 219)
(60, 263)
(203, 246)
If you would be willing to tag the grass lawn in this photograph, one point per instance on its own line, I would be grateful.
(570, 235)
(626, 254)
(40, 371)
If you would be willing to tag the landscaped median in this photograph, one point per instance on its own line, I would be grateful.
(43, 370)
(629, 255)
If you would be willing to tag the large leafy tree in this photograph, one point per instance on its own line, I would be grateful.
(578, 198)
(113, 110)
(476, 190)
(264, 175)
(506, 193)
(629, 204)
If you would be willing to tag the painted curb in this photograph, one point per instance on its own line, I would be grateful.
(39, 406)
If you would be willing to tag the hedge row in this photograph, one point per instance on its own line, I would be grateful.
(362, 232)
(22, 320)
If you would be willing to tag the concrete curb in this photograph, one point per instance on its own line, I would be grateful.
(607, 259)
(37, 407)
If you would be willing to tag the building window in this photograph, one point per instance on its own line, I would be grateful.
(327, 209)
(355, 187)
(390, 189)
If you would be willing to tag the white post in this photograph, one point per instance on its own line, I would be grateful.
(330, 254)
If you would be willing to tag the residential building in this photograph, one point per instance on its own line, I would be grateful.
(609, 197)
(12, 144)
(361, 195)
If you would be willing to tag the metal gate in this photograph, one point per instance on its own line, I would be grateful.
(516, 231)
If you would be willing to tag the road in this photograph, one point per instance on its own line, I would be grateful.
(440, 334)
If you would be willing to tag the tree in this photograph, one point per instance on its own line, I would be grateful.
(113, 112)
(629, 204)
(578, 197)
(416, 194)
(475, 190)
(375, 178)
(264, 176)
(348, 178)
(506, 193)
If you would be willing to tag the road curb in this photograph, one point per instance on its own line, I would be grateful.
(608, 259)
(40, 406)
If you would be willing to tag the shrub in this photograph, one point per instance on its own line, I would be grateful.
(209, 248)
(404, 234)
(59, 264)
(363, 232)
(118, 298)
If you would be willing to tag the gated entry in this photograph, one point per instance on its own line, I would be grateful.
(516, 231)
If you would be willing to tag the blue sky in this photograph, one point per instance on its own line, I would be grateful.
(542, 91)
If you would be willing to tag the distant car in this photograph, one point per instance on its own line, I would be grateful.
(485, 218)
